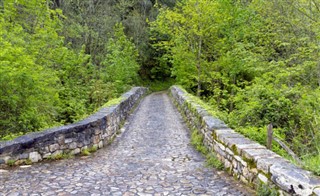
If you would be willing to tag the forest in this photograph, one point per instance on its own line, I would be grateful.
(253, 62)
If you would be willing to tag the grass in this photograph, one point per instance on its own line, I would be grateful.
(265, 190)
(211, 158)
(28, 162)
(88, 151)
(11, 163)
(197, 142)
(85, 152)
(213, 161)
(93, 149)
(60, 156)
(11, 136)
(312, 163)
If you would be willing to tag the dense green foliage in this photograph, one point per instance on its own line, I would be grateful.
(257, 62)
(50, 72)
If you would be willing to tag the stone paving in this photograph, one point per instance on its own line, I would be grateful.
(152, 156)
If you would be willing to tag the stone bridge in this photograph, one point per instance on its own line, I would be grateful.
(149, 154)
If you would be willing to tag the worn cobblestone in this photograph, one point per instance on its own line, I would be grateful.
(152, 156)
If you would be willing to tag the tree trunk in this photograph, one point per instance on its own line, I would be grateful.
(199, 80)
(199, 68)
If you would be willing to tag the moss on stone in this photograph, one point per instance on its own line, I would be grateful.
(251, 163)
(265, 190)
(113, 102)
(10, 162)
(234, 149)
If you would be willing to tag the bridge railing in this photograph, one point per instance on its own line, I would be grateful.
(248, 161)
(95, 131)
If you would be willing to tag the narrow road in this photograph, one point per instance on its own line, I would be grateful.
(152, 156)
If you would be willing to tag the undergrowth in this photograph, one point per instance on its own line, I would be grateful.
(211, 158)
(158, 85)
(265, 190)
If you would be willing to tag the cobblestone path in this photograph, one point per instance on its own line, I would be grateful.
(152, 156)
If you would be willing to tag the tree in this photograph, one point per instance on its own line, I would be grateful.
(190, 27)
(28, 92)
(120, 64)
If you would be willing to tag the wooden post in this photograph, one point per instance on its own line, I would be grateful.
(269, 136)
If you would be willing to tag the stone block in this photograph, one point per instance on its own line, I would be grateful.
(227, 164)
(60, 139)
(46, 149)
(233, 140)
(58, 152)
(255, 154)
(263, 178)
(240, 160)
(73, 145)
(84, 148)
(75, 151)
(47, 155)
(35, 157)
(218, 150)
(264, 163)
(229, 152)
(221, 146)
(96, 139)
(234, 163)
(316, 191)
(97, 131)
(293, 179)
(243, 179)
(54, 147)
(253, 145)
(100, 145)
(68, 140)
(24, 156)
(19, 162)
(222, 131)
(6, 159)
(246, 172)
(64, 147)
(214, 123)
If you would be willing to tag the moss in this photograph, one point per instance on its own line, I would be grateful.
(93, 149)
(251, 163)
(197, 141)
(113, 102)
(28, 162)
(213, 161)
(11, 162)
(268, 175)
(234, 149)
(265, 190)
(85, 152)
(60, 156)
(214, 136)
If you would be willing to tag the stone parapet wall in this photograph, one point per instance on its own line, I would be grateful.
(248, 161)
(95, 131)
